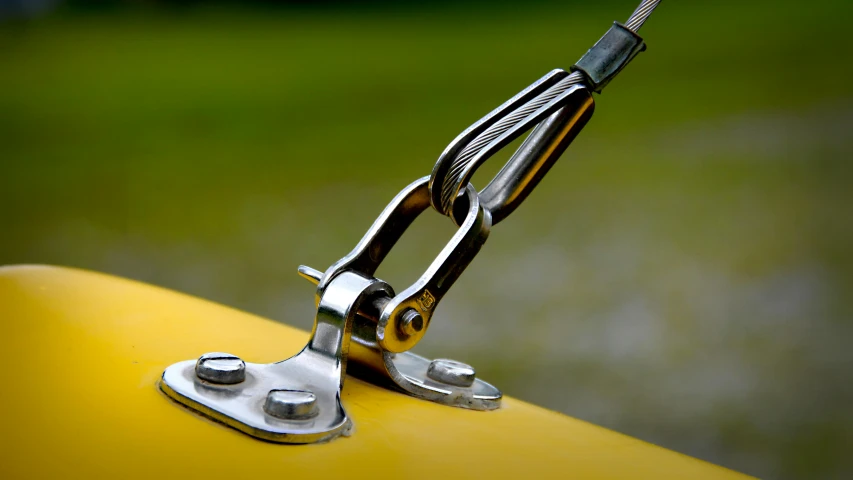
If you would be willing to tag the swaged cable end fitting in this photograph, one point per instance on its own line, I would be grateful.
(609, 56)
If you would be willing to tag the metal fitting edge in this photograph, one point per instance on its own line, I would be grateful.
(601, 63)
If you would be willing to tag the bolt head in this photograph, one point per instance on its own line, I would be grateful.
(451, 372)
(291, 404)
(411, 322)
(220, 368)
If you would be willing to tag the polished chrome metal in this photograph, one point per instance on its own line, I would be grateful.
(406, 371)
(424, 295)
(411, 323)
(359, 317)
(319, 368)
(387, 324)
(563, 98)
(535, 157)
(409, 372)
(451, 372)
(560, 106)
(291, 404)
(310, 274)
(220, 368)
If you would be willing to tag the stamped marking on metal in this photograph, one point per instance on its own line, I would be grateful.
(426, 301)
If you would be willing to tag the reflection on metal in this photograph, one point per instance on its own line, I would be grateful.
(291, 404)
(411, 323)
(360, 318)
(387, 326)
(220, 368)
(451, 372)
(409, 373)
(297, 400)
(557, 104)
(424, 295)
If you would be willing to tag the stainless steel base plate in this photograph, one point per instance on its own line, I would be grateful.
(411, 374)
(242, 405)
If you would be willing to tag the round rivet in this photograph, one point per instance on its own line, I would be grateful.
(222, 368)
(411, 322)
(451, 372)
(291, 404)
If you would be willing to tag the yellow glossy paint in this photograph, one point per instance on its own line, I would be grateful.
(82, 354)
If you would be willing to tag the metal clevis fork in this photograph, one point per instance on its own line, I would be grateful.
(362, 326)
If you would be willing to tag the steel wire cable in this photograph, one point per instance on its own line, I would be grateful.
(641, 14)
(461, 161)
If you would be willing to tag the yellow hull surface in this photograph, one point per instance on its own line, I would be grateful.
(83, 354)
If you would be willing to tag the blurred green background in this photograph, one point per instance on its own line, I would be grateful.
(683, 275)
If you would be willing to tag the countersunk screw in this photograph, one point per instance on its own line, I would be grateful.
(451, 372)
(291, 404)
(222, 368)
(411, 322)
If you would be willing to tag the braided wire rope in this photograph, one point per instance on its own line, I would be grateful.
(461, 161)
(641, 14)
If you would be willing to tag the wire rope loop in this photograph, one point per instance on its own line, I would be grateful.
(558, 105)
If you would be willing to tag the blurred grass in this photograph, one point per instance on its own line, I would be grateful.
(681, 276)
